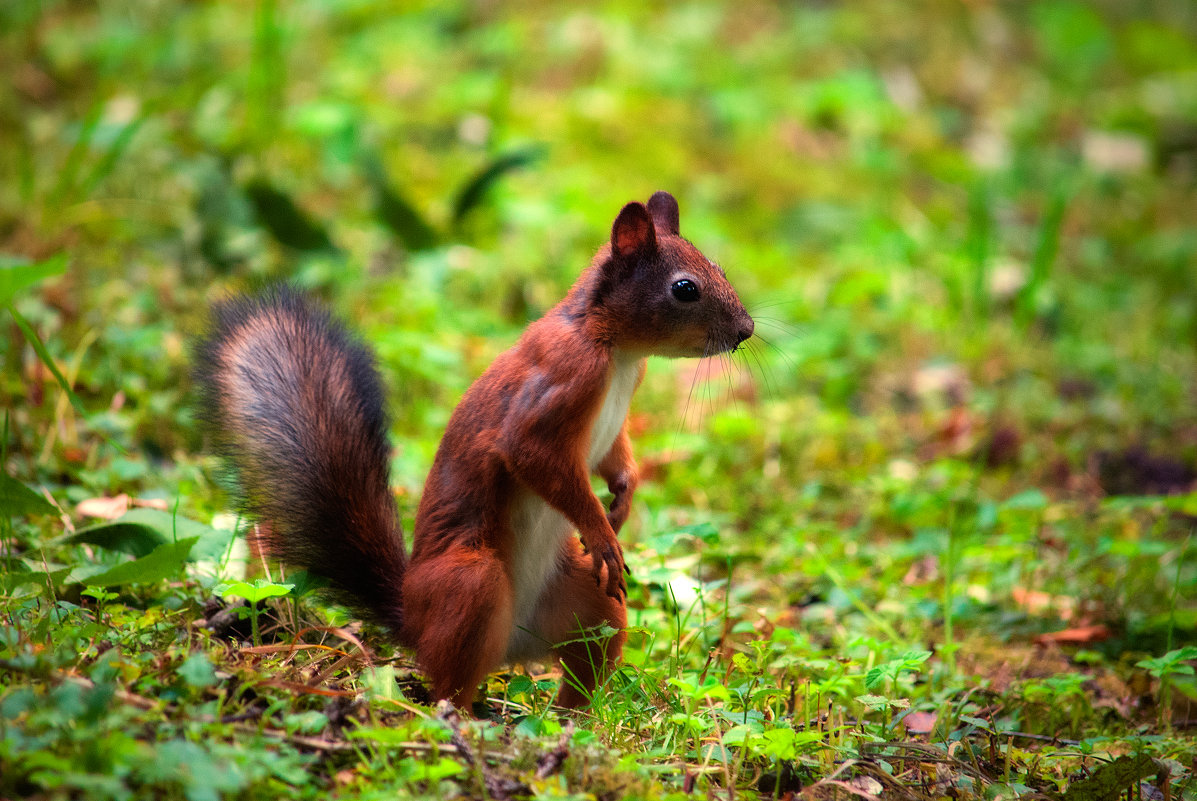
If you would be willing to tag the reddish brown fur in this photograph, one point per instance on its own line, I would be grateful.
(517, 447)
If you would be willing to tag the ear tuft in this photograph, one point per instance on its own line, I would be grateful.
(663, 208)
(632, 232)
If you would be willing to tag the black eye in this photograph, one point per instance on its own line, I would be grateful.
(685, 290)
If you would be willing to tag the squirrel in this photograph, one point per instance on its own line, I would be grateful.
(295, 404)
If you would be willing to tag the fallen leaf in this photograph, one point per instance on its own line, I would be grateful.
(920, 722)
(1075, 636)
(946, 380)
(112, 508)
(104, 508)
(1115, 152)
(922, 571)
(867, 785)
(1034, 602)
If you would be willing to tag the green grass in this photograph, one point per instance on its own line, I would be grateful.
(967, 424)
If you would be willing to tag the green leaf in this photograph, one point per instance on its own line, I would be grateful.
(474, 191)
(1171, 663)
(135, 539)
(520, 685)
(285, 221)
(163, 562)
(212, 542)
(395, 212)
(706, 532)
(99, 594)
(18, 274)
(17, 499)
(1027, 499)
(197, 671)
(980, 723)
(1188, 652)
(873, 701)
(43, 354)
(259, 590)
(738, 735)
(431, 771)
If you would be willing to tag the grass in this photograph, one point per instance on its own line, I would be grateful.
(930, 537)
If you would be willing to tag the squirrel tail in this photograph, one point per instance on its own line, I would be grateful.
(295, 405)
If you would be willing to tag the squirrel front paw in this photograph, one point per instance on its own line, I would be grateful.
(610, 555)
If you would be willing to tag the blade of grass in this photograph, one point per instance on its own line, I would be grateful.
(18, 274)
(69, 172)
(112, 155)
(45, 356)
(474, 191)
(394, 211)
(265, 73)
(1045, 256)
(977, 246)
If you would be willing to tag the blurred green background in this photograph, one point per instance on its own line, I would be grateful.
(968, 420)
(966, 230)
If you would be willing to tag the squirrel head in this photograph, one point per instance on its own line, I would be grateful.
(662, 296)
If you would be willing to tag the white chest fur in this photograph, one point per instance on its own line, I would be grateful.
(614, 410)
(540, 529)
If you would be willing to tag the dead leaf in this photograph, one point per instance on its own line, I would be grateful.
(867, 785)
(922, 571)
(920, 722)
(112, 508)
(1078, 635)
(946, 380)
(1006, 279)
(1115, 152)
(104, 508)
(1034, 602)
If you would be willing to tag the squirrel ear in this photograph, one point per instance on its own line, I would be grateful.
(663, 208)
(632, 232)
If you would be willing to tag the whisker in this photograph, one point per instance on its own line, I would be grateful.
(730, 374)
(773, 304)
(793, 329)
(689, 396)
(789, 360)
(770, 388)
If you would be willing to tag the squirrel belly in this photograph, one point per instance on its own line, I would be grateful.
(540, 532)
(495, 573)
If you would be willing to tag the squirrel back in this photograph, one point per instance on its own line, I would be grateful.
(295, 405)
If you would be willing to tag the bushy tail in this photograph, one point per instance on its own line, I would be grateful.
(295, 405)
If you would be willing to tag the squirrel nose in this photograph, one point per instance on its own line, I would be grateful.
(745, 331)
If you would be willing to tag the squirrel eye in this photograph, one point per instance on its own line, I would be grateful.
(685, 290)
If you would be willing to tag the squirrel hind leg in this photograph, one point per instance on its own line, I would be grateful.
(573, 612)
(458, 615)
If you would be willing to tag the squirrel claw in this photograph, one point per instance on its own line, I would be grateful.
(610, 557)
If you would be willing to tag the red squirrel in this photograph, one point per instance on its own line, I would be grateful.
(495, 574)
